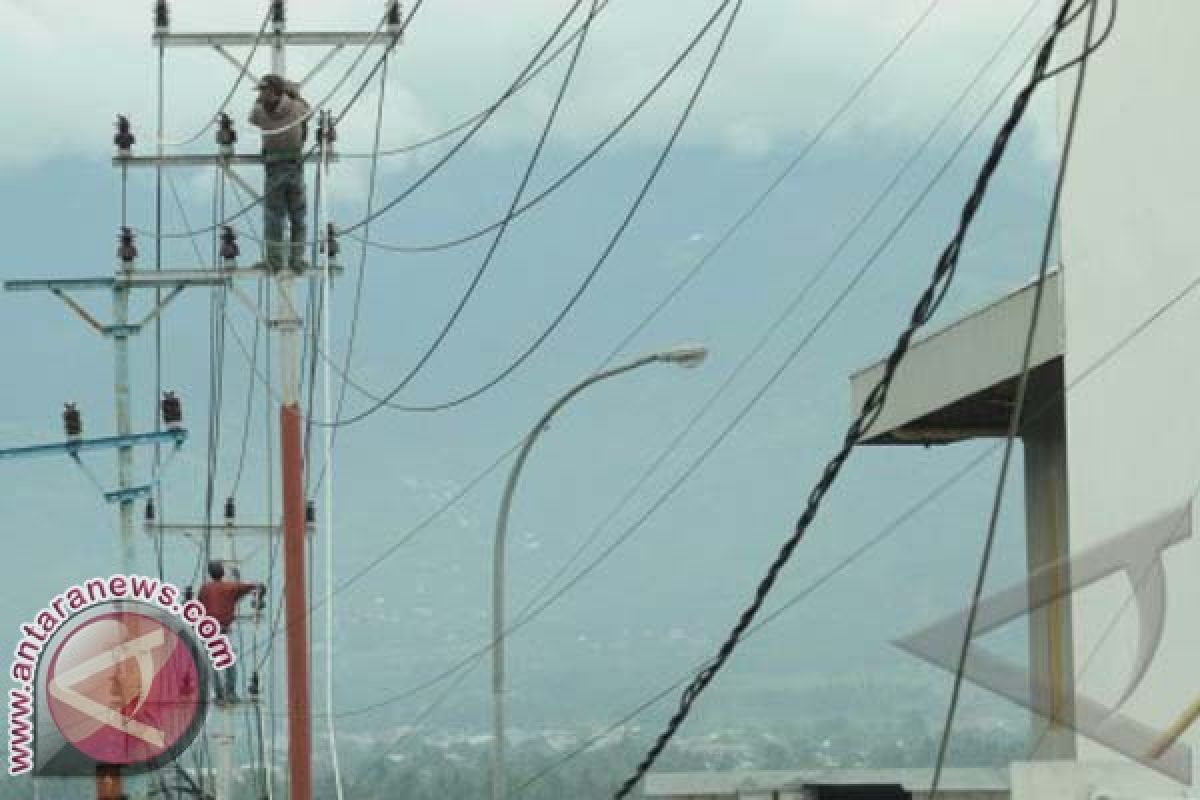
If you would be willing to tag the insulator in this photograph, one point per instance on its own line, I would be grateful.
(124, 139)
(394, 17)
(230, 510)
(331, 242)
(252, 685)
(188, 593)
(326, 132)
(310, 512)
(229, 245)
(278, 14)
(162, 16)
(72, 421)
(126, 249)
(226, 135)
(172, 410)
(150, 512)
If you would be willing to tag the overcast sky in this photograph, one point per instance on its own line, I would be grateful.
(71, 66)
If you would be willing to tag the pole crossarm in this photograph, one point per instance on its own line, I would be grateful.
(201, 529)
(193, 160)
(288, 38)
(176, 436)
(146, 279)
(129, 494)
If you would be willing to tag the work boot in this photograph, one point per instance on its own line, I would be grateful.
(296, 260)
(274, 260)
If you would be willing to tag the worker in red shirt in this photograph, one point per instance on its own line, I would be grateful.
(220, 598)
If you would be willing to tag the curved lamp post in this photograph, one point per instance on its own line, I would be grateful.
(680, 356)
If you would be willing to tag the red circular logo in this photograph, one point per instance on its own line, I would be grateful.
(125, 688)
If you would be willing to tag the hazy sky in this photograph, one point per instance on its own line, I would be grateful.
(681, 580)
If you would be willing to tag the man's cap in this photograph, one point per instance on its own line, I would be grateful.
(272, 82)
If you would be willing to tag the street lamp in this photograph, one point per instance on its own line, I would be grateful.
(688, 357)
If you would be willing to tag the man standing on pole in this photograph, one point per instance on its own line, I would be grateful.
(282, 114)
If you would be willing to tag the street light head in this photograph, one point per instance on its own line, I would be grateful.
(689, 356)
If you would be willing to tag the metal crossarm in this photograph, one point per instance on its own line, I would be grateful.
(288, 38)
(215, 528)
(194, 160)
(175, 436)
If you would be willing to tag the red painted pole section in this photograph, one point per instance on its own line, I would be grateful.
(295, 603)
(108, 783)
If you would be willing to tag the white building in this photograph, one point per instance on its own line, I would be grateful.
(1111, 437)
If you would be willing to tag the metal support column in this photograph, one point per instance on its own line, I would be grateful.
(1050, 656)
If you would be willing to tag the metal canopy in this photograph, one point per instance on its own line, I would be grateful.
(960, 382)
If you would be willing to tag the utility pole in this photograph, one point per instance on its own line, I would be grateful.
(228, 531)
(288, 326)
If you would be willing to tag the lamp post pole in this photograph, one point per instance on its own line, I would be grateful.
(681, 356)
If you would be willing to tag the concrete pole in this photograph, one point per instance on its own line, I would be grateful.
(124, 420)
(291, 427)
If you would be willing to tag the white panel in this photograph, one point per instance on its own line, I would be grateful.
(1129, 244)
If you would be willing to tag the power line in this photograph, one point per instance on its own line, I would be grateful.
(475, 128)
(1015, 420)
(930, 299)
(466, 123)
(609, 247)
(378, 399)
(563, 179)
(793, 305)
(395, 37)
(362, 263)
(839, 568)
(242, 72)
(530, 166)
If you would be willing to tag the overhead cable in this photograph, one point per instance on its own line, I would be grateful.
(928, 303)
(1015, 417)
